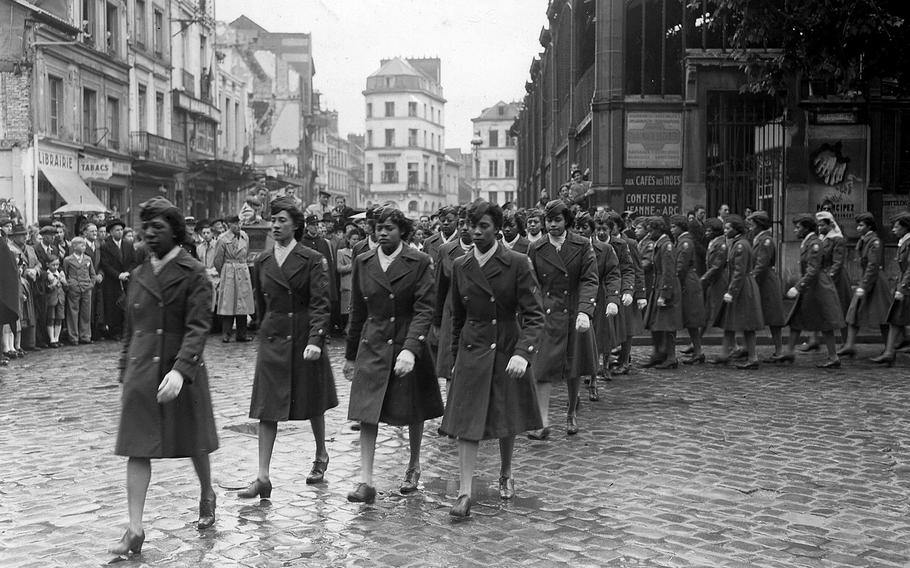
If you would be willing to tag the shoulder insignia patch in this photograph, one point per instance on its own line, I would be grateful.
(669, 247)
(767, 242)
(723, 246)
(685, 244)
(815, 246)
(739, 246)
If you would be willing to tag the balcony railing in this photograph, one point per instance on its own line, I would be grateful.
(147, 146)
(189, 83)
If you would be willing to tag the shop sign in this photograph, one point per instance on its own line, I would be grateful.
(94, 168)
(653, 139)
(652, 193)
(892, 204)
(56, 160)
(838, 168)
(121, 168)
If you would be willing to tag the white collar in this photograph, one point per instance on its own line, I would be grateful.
(463, 246)
(386, 259)
(511, 244)
(806, 239)
(158, 264)
(903, 240)
(534, 239)
(557, 241)
(372, 244)
(448, 239)
(482, 258)
(283, 251)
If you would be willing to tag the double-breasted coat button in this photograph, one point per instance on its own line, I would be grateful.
(289, 338)
(420, 338)
(155, 359)
(389, 342)
(548, 310)
(290, 314)
(565, 310)
(392, 319)
(493, 322)
(160, 304)
(492, 346)
(159, 331)
(492, 299)
(136, 306)
(391, 296)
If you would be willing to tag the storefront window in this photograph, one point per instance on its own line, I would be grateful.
(654, 47)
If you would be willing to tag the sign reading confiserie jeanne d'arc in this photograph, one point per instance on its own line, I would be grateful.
(652, 192)
(653, 139)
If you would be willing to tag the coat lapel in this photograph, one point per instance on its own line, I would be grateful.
(400, 267)
(376, 273)
(570, 249)
(293, 264)
(146, 278)
(269, 267)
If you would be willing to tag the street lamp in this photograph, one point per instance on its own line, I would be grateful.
(476, 142)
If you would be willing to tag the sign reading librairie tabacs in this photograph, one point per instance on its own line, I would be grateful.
(653, 139)
(652, 193)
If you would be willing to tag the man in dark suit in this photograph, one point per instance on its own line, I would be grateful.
(312, 238)
(93, 251)
(118, 258)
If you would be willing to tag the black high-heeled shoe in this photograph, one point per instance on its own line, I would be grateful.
(317, 473)
(257, 488)
(506, 488)
(462, 507)
(670, 364)
(884, 359)
(829, 364)
(130, 543)
(593, 395)
(206, 513)
(363, 494)
(849, 352)
(748, 365)
(571, 425)
(700, 358)
(784, 358)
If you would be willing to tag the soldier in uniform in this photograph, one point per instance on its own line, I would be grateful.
(513, 230)
(714, 281)
(872, 297)
(448, 231)
(764, 259)
(692, 298)
(899, 312)
(626, 323)
(442, 314)
(834, 247)
(664, 313)
(566, 268)
(817, 306)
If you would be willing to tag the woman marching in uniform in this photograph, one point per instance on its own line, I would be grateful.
(566, 268)
(764, 259)
(899, 313)
(446, 256)
(293, 379)
(817, 306)
(741, 310)
(166, 408)
(632, 314)
(692, 298)
(872, 298)
(627, 321)
(664, 313)
(387, 356)
(714, 281)
(835, 249)
(497, 321)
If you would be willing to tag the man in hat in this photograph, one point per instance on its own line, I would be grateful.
(321, 208)
(93, 251)
(311, 238)
(118, 258)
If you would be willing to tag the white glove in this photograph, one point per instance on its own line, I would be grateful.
(348, 370)
(124, 276)
(312, 353)
(728, 298)
(612, 309)
(898, 295)
(642, 304)
(627, 300)
(170, 386)
(517, 366)
(792, 292)
(582, 323)
(661, 302)
(859, 293)
(404, 364)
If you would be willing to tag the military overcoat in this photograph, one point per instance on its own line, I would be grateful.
(609, 275)
(835, 255)
(817, 308)
(714, 281)
(744, 313)
(167, 322)
(870, 310)
(294, 307)
(693, 301)
(899, 312)
(665, 285)
(442, 314)
(764, 261)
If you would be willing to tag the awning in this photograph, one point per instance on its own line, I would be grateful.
(78, 196)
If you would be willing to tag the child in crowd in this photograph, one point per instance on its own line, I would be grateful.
(55, 300)
(80, 278)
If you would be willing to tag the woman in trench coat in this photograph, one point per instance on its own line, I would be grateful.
(166, 408)
(293, 378)
(898, 316)
(387, 355)
(664, 312)
(568, 285)
(817, 306)
(235, 289)
(496, 323)
(872, 297)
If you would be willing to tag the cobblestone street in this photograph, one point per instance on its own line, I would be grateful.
(703, 466)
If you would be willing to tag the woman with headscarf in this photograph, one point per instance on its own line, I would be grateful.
(741, 311)
(817, 306)
(166, 408)
(566, 268)
(872, 297)
(899, 313)
(492, 394)
(764, 261)
(664, 315)
(387, 356)
(834, 248)
(293, 379)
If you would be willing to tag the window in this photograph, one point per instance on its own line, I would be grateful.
(139, 26)
(113, 123)
(389, 173)
(159, 113)
(412, 108)
(390, 108)
(413, 175)
(89, 115)
(432, 140)
(510, 168)
(142, 107)
(654, 47)
(412, 137)
(55, 104)
(369, 110)
(493, 168)
(390, 137)
(508, 196)
(510, 140)
(158, 22)
(369, 174)
(112, 23)
(88, 22)
(492, 198)
(369, 138)
(494, 138)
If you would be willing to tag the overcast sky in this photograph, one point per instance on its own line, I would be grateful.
(486, 47)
